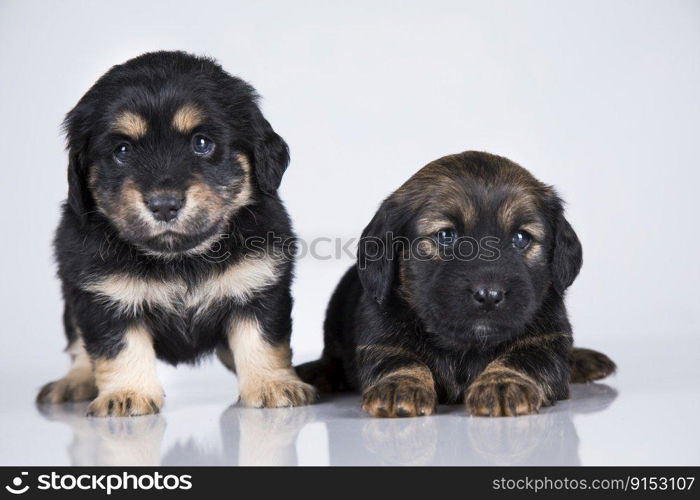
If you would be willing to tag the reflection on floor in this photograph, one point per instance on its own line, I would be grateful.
(335, 432)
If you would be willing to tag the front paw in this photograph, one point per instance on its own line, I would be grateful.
(277, 393)
(125, 403)
(399, 397)
(505, 394)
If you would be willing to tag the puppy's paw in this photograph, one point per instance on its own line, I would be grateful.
(503, 394)
(588, 365)
(68, 389)
(399, 397)
(277, 393)
(125, 403)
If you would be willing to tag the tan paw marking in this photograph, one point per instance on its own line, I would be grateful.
(278, 393)
(399, 396)
(265, 374)
(125, 403)
(503, 394)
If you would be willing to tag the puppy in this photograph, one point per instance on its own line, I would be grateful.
(458, 297)
(173, 242)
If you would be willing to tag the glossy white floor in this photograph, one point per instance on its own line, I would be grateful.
(647, 414)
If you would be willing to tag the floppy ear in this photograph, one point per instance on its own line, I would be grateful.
(77, 126)
(270, 155)
(567, 256)
(79, 198)
(375, 254)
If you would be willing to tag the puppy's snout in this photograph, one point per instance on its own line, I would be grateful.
(165, 207)
(488, 297)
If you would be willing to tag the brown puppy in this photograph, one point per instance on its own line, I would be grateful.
(458, 296)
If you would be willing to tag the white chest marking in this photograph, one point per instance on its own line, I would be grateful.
(239, 283)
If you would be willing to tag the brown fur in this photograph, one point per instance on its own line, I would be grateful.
(131, 124)
(264, 370)
(500, 391)
(494, 335)
(406, 392)
(588, 365)
(516, 204)
(187, 118)
(128, 384)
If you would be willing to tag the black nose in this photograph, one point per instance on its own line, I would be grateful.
(488, 297)
(164, 208)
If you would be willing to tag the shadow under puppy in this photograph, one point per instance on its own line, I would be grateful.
(173, 242)
(424, 319)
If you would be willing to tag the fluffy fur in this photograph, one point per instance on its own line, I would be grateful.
(413, 323)
(173, 238)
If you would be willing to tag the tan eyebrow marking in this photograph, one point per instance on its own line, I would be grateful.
(428, 225)
(535, 251)
(187, 117)
(535, 229)
(518, 204)
(130, 124)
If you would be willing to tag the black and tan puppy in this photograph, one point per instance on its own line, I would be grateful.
(173, 242)
(458, 296)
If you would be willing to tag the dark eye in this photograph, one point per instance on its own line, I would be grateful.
(121, 152)
(202, 145)
(521, 240)
(446, 237)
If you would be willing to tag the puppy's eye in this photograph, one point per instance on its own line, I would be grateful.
(446, 237)
(121, 152)
(202, 145)
(521, 240)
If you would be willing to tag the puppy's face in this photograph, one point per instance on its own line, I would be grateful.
(165, 174)
(168, 147)
(487, 243)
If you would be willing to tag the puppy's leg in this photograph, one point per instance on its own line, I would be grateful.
(325, 374)
(76, 385)
(79, 383)
(588, 365)
(127, 382)
(265, 374)
(529, 373)
(394, 382)
(223, 352)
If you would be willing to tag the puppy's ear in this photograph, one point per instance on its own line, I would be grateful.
(77, 129)
(567, 256)
(270, 155)
(376, 259)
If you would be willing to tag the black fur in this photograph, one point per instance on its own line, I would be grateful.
(87, 244)
(397, 313)
(94, 241)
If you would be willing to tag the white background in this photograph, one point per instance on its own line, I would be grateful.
(599, 98)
